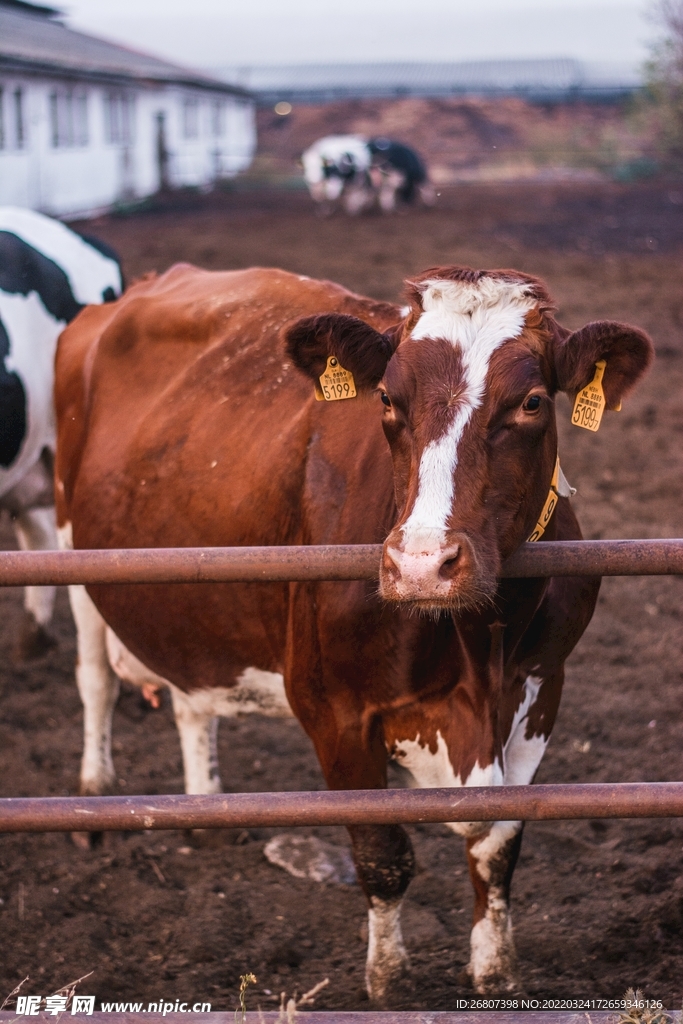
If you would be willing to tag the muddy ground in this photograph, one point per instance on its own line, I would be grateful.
(598, 906)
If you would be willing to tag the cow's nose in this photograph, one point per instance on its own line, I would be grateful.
(424, 572)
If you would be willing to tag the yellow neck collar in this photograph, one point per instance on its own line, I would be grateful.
(559, 487)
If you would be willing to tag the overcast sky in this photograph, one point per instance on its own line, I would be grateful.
(210, 33)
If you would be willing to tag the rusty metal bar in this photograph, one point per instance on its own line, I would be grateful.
(190, 565)
(366, 807)
(597, 558)
(530, 1011)
(533, 1014)
(332, 562)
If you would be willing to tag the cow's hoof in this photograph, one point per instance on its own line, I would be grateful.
(93, 840)
(381, 988)
(382, 977)
(496, 984)
(34, 641)
(493, 962)
(104, 786)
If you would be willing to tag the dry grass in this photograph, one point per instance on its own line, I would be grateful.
(639, 1011)
(68, 990)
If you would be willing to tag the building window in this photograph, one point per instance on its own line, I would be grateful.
(54, 120)
(191, 119)
(12, 118)
(119, 118)
(19, 125)
(81, 119)
(68, 118)
(218, 117)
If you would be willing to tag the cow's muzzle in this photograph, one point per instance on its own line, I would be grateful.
(438, 570)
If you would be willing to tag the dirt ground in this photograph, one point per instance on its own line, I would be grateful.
(598, 906)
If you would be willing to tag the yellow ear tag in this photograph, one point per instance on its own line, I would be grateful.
(590, 401)
(336, 383)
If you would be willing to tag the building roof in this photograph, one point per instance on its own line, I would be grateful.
(535, 78)
(33, 39)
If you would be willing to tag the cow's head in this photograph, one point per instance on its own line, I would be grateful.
(466, 386)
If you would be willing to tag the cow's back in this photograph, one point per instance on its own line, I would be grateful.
(182, 423)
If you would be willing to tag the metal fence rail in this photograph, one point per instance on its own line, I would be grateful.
(333, 562)
(339, 562)
(263, 1016)
(349, 807)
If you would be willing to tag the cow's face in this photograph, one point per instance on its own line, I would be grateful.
(469, 415)
(466, 385)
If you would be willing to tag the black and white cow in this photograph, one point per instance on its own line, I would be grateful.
(47, 274)
(398, 173)
(336, 171)
(353, 172)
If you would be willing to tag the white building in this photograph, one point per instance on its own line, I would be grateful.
(85, 123)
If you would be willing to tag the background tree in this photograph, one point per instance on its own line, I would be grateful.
(664, 76)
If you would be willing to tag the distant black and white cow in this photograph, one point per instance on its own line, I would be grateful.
(353, 172)
(397, 172)
(47, 274)
(336, 170)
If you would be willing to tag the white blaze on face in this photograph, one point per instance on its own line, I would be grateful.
(476, 319)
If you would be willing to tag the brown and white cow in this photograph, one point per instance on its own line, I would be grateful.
(185, 419)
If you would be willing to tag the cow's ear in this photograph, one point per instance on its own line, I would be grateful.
(358, 347)
(626, 350)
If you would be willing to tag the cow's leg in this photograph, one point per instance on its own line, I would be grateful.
(356, 198)
(198, 730)
(36, 530)
(196, 716)
(99, 690)
(492, 852)
(383, 853)
(352, 753)
(391, 183)
(385, 863)
(387, 198)
(427, 193)
(492, 858)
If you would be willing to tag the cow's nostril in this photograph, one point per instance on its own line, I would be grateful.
(389, 565)
(449, 565)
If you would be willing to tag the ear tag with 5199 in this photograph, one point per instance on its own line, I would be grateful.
(336, 383)
(590, 401)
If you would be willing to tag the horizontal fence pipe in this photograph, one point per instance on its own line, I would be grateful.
(352, 807)
(332, 562)
(531, 1010)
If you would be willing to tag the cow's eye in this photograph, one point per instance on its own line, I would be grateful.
(386, 400)
(532, 404)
